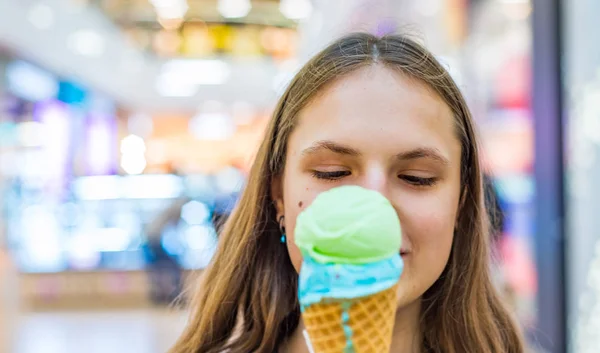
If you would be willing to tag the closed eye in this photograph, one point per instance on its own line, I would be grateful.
(418, 181)
(334, 175)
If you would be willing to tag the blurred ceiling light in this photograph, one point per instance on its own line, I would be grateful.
(87, 43)
(30, 82)
(200, 237)
(31, 134)
(158, 186)
(133, 164)
(168, 3)
(97, 187)
(296, 9)
(162, 3)
(133, 154)
(212, 126)
(182, 77)
(170, 24)
(195, 212)
(196, 72)
(172, 243)
(111, 187)
(171, 13)
(41, 16)
(234, 8)
(170, 87)
(40, 239)
(170, 9)
(133, 144)
(82, 252)
(110, 239)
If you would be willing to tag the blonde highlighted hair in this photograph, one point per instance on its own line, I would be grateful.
(251, 285)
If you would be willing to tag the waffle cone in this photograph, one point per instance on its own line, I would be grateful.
(371, 320)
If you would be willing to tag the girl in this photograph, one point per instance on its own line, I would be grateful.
(381, 113)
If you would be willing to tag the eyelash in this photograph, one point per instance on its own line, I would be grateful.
(330, 176)
(418, 181)
(411, 179)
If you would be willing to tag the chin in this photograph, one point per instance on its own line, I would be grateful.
(406, 305)
(409, 291)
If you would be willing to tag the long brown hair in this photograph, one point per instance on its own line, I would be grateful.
(247, 300)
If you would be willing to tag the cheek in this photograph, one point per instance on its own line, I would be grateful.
(431, 234)
(428, 223)
(428, 220)
(431, 228)
(295, 201)
(434, 242)
(293, 250)
(295, 255)
(299, 191)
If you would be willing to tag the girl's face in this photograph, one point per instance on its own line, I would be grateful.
(380, 130)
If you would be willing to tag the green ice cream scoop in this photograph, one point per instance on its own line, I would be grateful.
(349, 225)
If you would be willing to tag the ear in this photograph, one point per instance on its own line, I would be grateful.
(277, 195)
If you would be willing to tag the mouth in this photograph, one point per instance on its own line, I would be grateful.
(404, 252)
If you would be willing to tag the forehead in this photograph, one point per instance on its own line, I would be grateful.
(377, 106)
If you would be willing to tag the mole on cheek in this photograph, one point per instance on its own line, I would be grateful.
(300, 204)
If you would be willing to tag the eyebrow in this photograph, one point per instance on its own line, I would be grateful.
(417, 153)
(332, 147)
(423, 153)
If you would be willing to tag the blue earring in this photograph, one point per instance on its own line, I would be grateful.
(282, 229)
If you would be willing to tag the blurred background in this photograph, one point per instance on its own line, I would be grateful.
(127, 128)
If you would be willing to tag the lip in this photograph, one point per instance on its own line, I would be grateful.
(404, 252)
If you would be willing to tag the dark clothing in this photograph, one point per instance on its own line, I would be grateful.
(164, 272)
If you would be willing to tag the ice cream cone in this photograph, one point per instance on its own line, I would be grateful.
(350, 239)
(361, 325)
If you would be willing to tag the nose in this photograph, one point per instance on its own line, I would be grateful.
(376, 178)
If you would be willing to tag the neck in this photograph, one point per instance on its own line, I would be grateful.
(406, 337)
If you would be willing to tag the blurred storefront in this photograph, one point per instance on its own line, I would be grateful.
(497, 56)
(84, 178)
(115, 112)
(88, 165)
